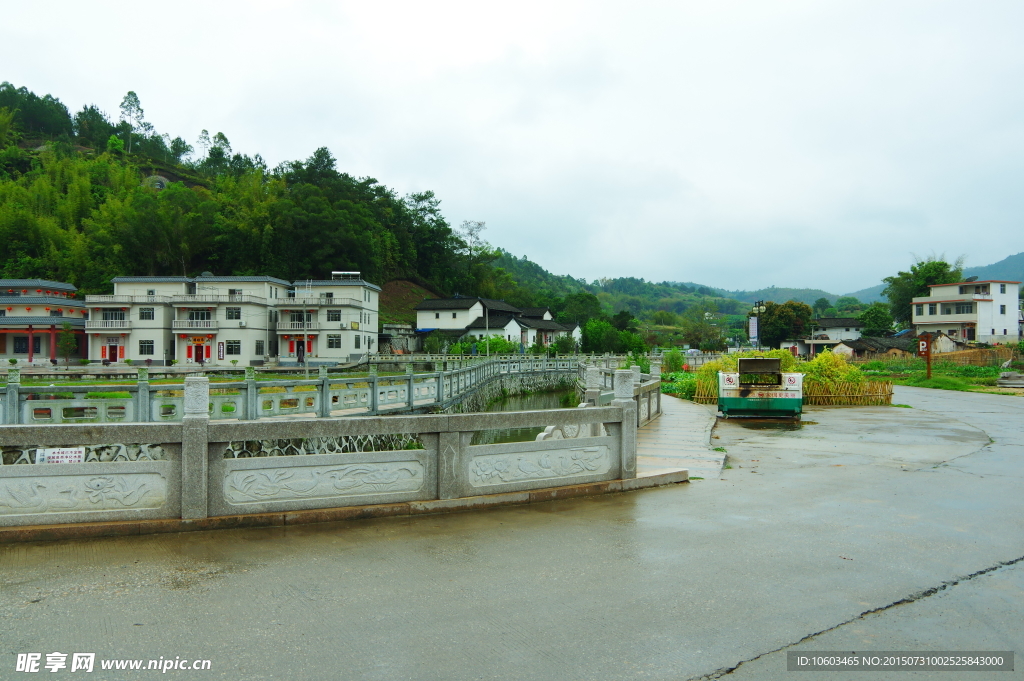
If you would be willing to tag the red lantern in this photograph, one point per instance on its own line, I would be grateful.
(39, 290)
(184, 335)
(47, 309)
(28, 309)
(209, 335)
(9, 309)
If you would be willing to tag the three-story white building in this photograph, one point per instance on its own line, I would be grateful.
(984, 311)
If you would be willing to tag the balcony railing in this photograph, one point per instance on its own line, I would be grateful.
(127, 299)
(298, 301)
(189, 324)
(298, 326)
(108, 324)
(215, 299)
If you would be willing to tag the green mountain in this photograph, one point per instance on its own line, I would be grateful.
(781, 295)
(1010, 268)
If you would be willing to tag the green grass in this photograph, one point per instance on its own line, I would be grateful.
(905, 406)
(719, 449)
(938, 382)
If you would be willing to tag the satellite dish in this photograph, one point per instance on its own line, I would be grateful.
(974, 278)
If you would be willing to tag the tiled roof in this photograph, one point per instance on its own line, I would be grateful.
(535, 311)
(10, 301)
(447, 303)
(542, 324)
(41, 322)
(34, 284)
(494, 321)
(274, 280)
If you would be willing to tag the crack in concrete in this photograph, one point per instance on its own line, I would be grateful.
(920, 595)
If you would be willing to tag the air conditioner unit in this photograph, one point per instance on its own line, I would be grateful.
(241, 325)
(343, 326)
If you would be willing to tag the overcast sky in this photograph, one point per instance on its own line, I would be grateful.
(736, 144)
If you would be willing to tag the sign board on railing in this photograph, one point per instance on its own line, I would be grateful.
(61, 455)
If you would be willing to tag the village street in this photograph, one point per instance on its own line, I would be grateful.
(876, 528)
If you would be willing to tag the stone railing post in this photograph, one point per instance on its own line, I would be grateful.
(636, 374)
(325, 392)
(655, 369)
(440, 387)
(195, 448)
(624, 400)
(142, 410)
(410, 381)
(252, 394)
(449, 464)
(592, 385)
(374, 394)
(12, 408)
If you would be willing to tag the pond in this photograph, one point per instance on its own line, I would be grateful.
(561, 399)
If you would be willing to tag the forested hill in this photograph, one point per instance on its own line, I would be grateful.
(77, 206)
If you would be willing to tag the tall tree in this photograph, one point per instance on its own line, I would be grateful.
(902, 288)
(788, 321)
(131, 112)
(876, 320)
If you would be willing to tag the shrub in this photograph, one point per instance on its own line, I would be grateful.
(635, 358)
(681, 383)
(673, 361)
(830, 368)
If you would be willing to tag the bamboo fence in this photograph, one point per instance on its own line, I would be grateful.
(978, 357)
(869, 393)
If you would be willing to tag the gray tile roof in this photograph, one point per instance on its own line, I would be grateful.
(33, 284)
(11, 301)
(535, 311)
(447, 303)
(41, 322)
(494, 321)
(153, 280)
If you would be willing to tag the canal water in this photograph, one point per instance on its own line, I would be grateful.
(561, 399)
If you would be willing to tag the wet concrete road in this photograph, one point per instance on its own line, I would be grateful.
(808, 531)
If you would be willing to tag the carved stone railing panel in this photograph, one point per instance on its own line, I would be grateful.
(342, 444)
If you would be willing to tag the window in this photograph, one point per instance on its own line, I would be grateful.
(259, 348)
(357, 342)
(199, 315)
(234, 291)
(919, 310)
(329, 294)
(3, 313)
(56, 313)
(1002, 288)
(147, 313)
(113, 315)
(1002, 309)
(151, 292)
(233, 313)
(21, 344)
(233, 347)
(146, 347)
(946, 309)
(437, 315)
(334, 315)
(454, 314)
(931, 308)
(964, 308)
(334, 341)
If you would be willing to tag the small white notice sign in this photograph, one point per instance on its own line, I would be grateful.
(61, 455)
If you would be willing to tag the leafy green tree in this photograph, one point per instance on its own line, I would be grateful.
(665, 318)
(115, 144)
(204, 141)
(6, 125)
(565, 345)
(789, 320)
(876, 319)
(820, 305)
(623, 320)
(702, 326)
(831, 312)
(902, 288)
(131, 112)
(600, 336)
(67, 343)
(580, 307)
(179, 149)
(848, 304)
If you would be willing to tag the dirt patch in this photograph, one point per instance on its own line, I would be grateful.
(398, 300)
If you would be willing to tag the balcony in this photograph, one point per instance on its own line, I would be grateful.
(195, 300)
(951, 298)
(317, 301)
(298, 326)
(108, 325)
(126, 299)
(195, 324)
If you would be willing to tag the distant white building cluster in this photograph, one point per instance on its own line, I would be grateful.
(238, 320)
(984, 311)
(478, 318)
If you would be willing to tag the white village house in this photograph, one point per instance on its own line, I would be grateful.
(477, 318)
(250, 319)
(984, 311)
(33, 313)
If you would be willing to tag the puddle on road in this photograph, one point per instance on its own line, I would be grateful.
(772, 424)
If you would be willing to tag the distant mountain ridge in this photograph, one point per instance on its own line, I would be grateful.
(1010, 268)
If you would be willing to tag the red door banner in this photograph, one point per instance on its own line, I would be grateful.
(103, 352)
(188, 351)
(120, 352)
(291, 346)
(207, 352)
(309, 347)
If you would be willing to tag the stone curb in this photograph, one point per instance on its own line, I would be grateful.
(121, 528)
